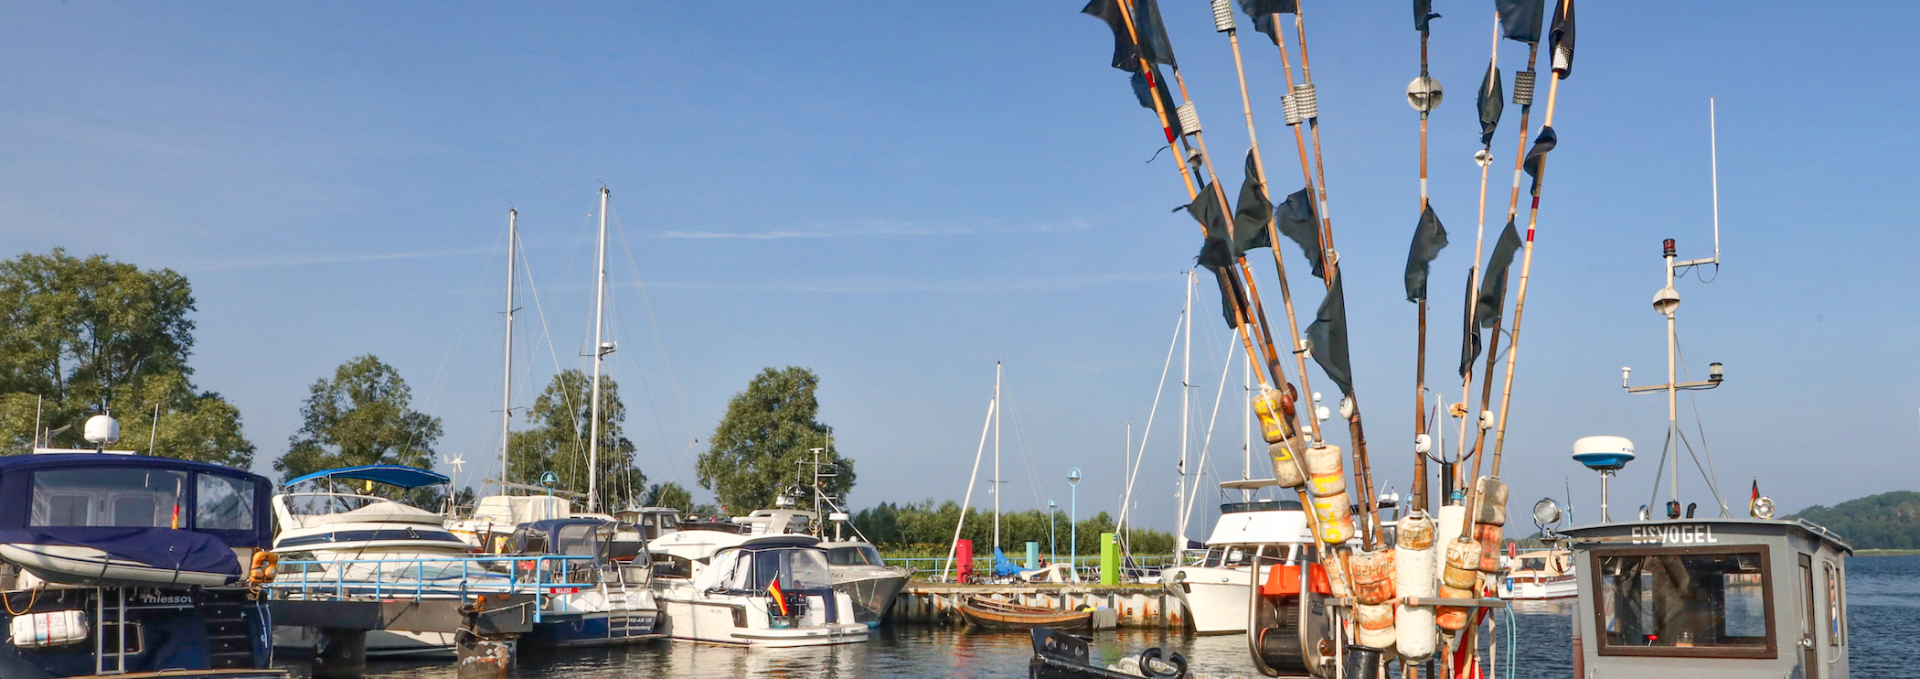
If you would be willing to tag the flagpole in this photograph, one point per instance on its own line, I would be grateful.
(1485, 160)
(1419, 489)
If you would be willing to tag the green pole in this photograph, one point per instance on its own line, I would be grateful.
(1109, 560)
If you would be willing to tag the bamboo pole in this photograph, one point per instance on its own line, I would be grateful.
(1419, 489)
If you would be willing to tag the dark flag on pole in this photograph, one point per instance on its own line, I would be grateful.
(1217, 254)
(1562, 36)
(1329, 336)
(1469, 335)
(1493, 102)
(1541, 145)
(1296, 221)
(1422, 12)
(1250, 219)
(1262, 12)
(1487, 309)
(1153, 44)
(1520, 19)
(1429, 238)
(1142, 93)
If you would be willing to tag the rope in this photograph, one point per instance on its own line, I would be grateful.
(31, 599)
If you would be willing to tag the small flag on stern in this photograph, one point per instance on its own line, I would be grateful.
(779, 595)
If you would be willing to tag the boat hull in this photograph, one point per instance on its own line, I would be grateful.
(381, 644)
(1216, 599)
(741, 621)
(872, 596)
(1529, 589)
(996, 615)
(580, 630)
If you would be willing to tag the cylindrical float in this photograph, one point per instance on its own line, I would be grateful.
(1336, 571)
(1271, 407)
(1373, 576)
(1491, 503)
(1325, 475)
(1452, 519)
(1335, 516)
(1415, 576)
(1288, 468)
(1376, 625)
(1462, 564)
(1489, 537)
(1452, 618)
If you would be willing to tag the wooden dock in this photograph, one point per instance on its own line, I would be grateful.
(1147, 606)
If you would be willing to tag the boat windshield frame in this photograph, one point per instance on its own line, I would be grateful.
(1767, 582)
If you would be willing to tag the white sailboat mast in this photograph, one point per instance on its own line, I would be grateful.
(996, 455)
(600, 350)
(1186, 389)
(506, 380)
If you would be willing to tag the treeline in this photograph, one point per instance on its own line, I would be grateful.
(1884, 521)
(927, 528)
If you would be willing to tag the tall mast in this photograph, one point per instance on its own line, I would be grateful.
(600, 350)
(1186, 388)
(996, 455)
(506, 380)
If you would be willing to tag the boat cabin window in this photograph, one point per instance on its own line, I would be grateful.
(797, 569)
(222, 502)
(1685, 602)
(1836, 613)
(854, 555)
(1213, 558)
(105, 496)
(576, 540)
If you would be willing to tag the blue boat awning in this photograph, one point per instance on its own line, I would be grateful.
(390, 474)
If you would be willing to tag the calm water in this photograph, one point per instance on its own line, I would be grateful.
(1883, 594)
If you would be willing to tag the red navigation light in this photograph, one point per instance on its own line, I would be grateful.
(1666, 247)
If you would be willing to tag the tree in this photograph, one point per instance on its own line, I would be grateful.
(362, 416)
(670, 494)
(84, 336)
(558, 443)
(767, 432)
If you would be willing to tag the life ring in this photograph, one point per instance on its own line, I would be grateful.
(264, 565)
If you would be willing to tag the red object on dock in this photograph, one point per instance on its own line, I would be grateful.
(963, 554)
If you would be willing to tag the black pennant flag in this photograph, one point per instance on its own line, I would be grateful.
(1262, 12)
(1250, 219)
(1153, 44)
(1541, 145)
(1429, 238)
(1217, 254)
(1329, 336)
(1141, 93)
(1469, 334)
(1493, 285)
(1562, 36)
(1520, 19)
(1493, 102)
(1296, 221)
(1422, 12)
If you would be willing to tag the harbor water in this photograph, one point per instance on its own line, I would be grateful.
(1884, 615)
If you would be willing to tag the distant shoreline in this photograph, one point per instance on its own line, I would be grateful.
(1886, 552)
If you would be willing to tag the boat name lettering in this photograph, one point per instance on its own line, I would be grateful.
(1696, 534)
(164, 600)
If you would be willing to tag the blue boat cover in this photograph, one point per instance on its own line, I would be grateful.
(162, 548)
(390, 474)
(1003, 566)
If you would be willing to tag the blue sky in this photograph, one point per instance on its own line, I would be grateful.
(898, 194)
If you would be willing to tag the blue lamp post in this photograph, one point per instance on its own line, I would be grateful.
(1073, 514)
(1053, 534)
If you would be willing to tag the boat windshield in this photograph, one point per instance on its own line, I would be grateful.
(576, 540)
(854, 555)
(106, 496)
(1685, 603)
(752, 571)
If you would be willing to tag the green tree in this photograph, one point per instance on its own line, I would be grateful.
(79, 336)
(362, 416)
(670, 494)
(766, 433)
(562, 416)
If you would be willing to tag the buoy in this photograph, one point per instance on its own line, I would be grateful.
(1337, 575)
(1457, 581)
(1373, 576)
(1452, 519)
(1452, 618)
(1491, 507)
(1376, 624)
(1415, 576)
(1272, 408)
(1489, 537)
(1287, 465)
(1325, 475)
(1334, 513)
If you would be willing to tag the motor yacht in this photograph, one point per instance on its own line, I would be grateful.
(1217, 590)
(751, 590)
(601, 600)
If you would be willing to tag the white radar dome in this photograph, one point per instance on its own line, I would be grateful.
(101, 430)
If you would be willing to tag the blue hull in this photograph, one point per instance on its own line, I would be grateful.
(573, 630)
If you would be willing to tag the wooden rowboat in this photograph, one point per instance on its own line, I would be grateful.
(993, 614)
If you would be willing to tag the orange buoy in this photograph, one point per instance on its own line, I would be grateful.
(1274, 409)
(1334, 513)
(1489, 537)
(1373, 575)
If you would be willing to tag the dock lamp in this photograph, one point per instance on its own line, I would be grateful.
(1073, 517)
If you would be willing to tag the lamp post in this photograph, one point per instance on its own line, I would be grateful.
(1053, 534)
(1073, 516)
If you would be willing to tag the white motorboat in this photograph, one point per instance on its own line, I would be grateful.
(1539, 574)
(1217, 591)
(859, 572)
(605, 600)
(747, 590)
(366, 539)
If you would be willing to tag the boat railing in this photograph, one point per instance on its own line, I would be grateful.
(425, 578)
(1088, 567)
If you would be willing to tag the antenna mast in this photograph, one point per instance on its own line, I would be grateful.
(1713, 146)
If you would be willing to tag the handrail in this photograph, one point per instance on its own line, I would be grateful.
(548, 573)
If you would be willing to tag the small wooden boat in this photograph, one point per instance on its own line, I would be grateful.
(994, 614)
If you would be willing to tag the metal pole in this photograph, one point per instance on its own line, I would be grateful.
(1186, 389)
(1073, 519)
(996, 455)
(1673, 411)
(506, 381)
(599, 309)
(1053, 533)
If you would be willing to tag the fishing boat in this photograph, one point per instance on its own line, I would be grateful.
(368, 540)
(1538, 574)
(118, 563)
(751, 590)
(601, 600)
(995, 614)
(1218, 590)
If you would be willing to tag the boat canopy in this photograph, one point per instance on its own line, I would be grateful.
(390, 474)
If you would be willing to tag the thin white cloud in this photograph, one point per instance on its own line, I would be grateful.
(881, 286)
(876, 229)
(264, 262)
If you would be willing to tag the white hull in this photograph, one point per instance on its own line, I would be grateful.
(1563, 587)
(714, 619)
(1214, 606)
(381, 644)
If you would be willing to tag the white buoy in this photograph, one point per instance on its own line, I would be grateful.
(1415, 576)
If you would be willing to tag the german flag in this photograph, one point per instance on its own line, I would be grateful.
(779, 596)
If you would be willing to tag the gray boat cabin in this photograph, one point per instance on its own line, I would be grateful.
(1707, 598)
